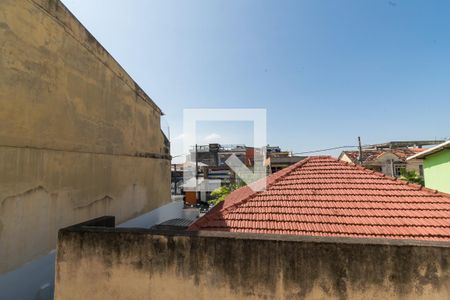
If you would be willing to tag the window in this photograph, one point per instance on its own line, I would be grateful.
(398, 169)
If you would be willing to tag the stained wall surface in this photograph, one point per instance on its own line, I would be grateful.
(102, 263)
(78, 137)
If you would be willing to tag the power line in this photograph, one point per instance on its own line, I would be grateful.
(305, 152)
(327, 149)
(366, 146)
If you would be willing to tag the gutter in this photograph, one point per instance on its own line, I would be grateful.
(435, 149)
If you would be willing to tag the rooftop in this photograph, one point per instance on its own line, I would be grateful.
(370, 155)
(431, 151)
(404, 144)
(321, 196)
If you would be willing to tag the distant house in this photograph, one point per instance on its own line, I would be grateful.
(277, 159)
(280, 160)
(436, 162)
(216, 155)
(390, 162)
(322, 196)
(198, 190)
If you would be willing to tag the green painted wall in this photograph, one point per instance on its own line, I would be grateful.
(437, 171)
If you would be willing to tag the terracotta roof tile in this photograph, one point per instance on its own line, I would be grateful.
(370, 156)
(322, 196)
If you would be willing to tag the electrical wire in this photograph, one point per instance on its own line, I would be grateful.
(306, 152)
(367, 146)
(327, 149)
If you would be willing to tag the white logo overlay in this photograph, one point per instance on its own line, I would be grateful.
(255, 175)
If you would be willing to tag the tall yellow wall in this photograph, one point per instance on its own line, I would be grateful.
(78, 137)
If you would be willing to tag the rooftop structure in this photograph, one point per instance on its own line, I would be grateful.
(408, 144)
(371, 155)
(436, 165)
(322, 196)
(390, 162)
(431, 151)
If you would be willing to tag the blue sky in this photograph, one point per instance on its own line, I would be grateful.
(326, 71)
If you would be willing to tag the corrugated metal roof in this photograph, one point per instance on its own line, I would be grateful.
(174, 224)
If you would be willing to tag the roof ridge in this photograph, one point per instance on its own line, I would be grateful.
(273, 178)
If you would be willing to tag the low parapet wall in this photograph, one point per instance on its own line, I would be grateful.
(119, 263)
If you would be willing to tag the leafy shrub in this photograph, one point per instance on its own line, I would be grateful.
(221, 193)
(412, 177)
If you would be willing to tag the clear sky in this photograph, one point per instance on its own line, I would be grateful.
(326, 71)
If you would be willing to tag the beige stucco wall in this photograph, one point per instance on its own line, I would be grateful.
(78, 137)
(107, 264)
(345, 158)
(414, 165)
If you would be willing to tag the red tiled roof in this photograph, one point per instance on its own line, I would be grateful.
(321, 196)
(370, 156)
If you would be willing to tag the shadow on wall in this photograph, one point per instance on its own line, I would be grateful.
(35, 280)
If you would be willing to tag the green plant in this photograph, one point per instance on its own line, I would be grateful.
(412, 177)
(221, 193)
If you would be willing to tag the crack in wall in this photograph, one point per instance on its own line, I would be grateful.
(103, 199)
(26, 193)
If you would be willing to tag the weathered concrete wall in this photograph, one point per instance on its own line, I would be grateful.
(108, 263)
(36, 279)
(78, 137)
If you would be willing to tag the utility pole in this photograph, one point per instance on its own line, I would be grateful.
(196, 174)
(196, 163)
(360, 151)
(176, 177)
